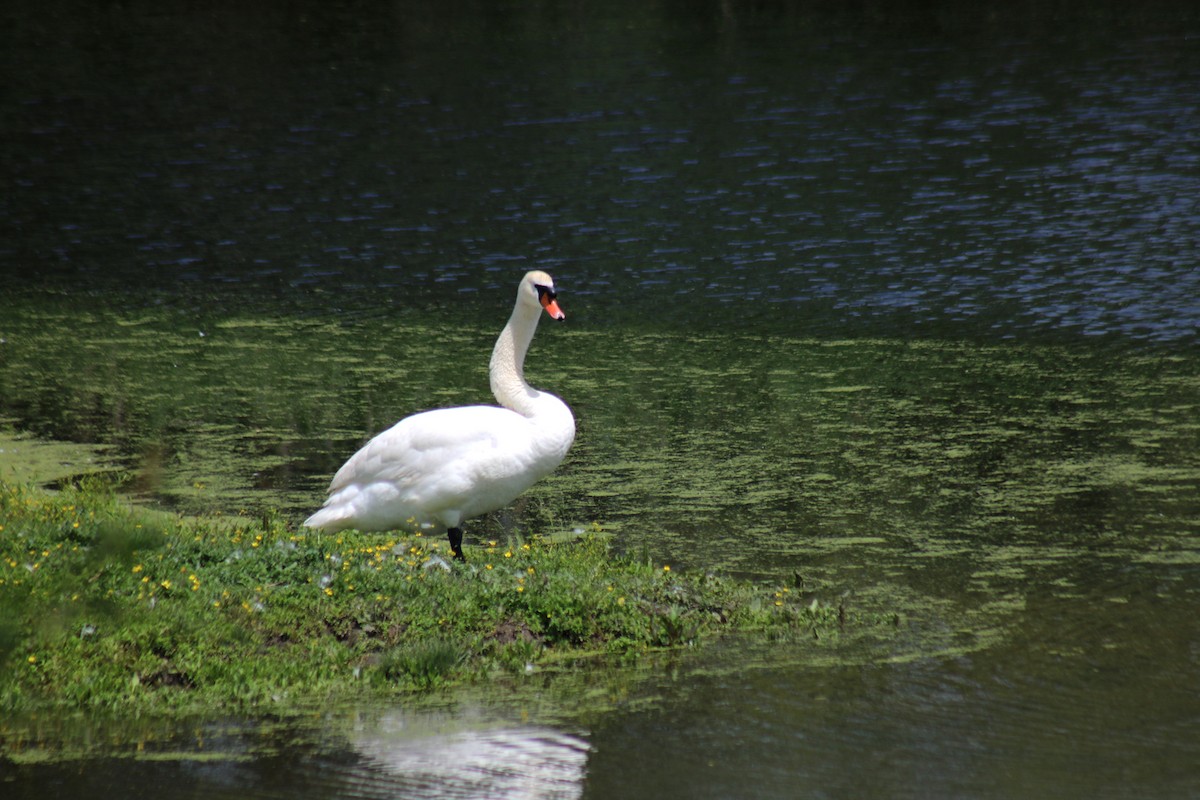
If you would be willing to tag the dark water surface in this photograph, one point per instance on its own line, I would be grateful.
(898, 305)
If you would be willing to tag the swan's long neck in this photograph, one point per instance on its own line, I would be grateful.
(507, 368)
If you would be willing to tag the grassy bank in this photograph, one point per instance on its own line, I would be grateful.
(105, 606)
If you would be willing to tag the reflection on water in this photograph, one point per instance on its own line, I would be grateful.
(456, 761)
(900, 309)
(403, 755)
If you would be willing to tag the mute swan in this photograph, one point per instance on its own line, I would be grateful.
(438, 468)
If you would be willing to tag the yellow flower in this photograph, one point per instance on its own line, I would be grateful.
(508, 553)
(329, 591)
(33, 659)
(666, 567)
(165, 584)
(137, 567)
(520, 588)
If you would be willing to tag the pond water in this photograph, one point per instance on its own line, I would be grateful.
(898, 305)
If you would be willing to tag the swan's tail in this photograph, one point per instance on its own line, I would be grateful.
(330, 519)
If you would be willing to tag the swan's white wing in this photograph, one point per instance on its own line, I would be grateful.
(438, 446)
(435, 468)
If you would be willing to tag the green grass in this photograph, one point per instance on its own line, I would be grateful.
(106, 607)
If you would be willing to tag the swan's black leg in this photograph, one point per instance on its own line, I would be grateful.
(455, 537)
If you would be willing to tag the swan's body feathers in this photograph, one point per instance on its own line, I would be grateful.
(438, 468)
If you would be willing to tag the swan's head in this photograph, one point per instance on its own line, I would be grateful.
(539, 287)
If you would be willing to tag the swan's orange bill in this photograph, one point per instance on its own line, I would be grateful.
(551, 306)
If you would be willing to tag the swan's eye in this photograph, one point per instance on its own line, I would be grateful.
(545, 293)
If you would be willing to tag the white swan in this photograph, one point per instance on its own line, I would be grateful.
(438, 468)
